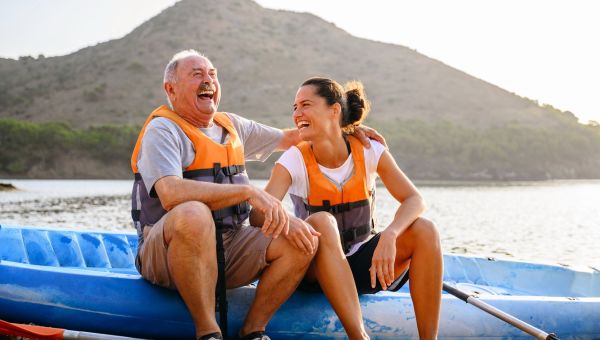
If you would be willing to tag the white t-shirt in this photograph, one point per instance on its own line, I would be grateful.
(293, 161)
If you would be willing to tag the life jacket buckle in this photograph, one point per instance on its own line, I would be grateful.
(340, 208)
(228, 171)
(218, 173)
(241, 208)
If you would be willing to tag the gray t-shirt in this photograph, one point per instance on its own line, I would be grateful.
(167, 151)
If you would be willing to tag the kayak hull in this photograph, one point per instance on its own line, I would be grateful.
(118, 301)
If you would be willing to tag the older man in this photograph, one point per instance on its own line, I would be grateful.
(183, 157)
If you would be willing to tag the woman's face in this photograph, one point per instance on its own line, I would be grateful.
(312, 116)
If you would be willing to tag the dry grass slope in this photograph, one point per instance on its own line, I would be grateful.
(263, 55)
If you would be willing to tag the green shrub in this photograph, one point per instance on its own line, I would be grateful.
(25, 145)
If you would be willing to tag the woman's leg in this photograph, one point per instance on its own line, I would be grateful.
(420, 247)
(333, 273)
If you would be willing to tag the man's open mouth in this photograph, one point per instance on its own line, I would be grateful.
(206, 94)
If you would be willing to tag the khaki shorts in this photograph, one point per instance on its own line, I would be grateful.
(245, 255)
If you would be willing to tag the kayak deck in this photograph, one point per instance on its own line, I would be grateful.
(112, 252)
(87, 281)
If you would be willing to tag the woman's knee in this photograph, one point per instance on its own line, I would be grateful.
(326, 225)
(425, 231)
(322, 222)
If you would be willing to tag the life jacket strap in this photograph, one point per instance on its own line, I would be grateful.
(337, 208)
(221, 289)
(135, 215)
(348, 236)
(238, 209)
(226, 170)
(233, 170)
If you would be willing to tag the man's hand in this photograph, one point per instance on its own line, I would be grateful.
(276, 219)
(382, 263)
(303, 235)
(364, 133)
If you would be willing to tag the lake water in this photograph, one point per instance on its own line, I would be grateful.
(554, 221)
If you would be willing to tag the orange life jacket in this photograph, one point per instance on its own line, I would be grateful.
(213, 162)
(352, 205)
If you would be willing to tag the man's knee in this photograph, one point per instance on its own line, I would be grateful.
(191, 220)
(300, 257)
(325, 223)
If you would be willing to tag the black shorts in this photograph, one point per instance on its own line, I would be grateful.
(360, 262)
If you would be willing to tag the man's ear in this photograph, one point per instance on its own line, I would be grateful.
(169, 90)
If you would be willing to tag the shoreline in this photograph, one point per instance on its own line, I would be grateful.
(7, 187)
(419, 182)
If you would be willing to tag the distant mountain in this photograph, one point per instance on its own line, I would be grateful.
(263, 55)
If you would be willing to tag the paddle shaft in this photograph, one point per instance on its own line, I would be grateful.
(77, 335)
(520, 324)
(41, 332)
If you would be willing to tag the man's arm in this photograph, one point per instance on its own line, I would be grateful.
(259, 139)
(301, 234)
(364, 133)
(172, 190)
(291, 137)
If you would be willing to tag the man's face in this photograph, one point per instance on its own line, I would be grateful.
(196, 92)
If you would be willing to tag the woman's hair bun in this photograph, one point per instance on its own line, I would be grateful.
(357, 106)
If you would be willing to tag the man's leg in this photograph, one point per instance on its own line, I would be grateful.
(287, 266)
(420, 246)
(189, 234)
(332, 271)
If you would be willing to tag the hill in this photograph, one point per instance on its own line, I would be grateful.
(439, 121)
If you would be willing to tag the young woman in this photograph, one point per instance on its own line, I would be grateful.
(331, 180)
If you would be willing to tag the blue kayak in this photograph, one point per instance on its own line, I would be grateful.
(87, 281)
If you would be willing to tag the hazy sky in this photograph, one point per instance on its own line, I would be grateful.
(548, 50)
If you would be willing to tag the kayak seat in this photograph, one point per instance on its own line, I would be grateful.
(61, 248)
(39, 248)
(12, 248)
(93, 251)
(66, 249)
(119, 251)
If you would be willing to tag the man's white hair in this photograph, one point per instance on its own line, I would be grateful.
(171, 69)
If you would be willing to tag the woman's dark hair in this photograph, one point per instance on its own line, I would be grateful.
(351, 97)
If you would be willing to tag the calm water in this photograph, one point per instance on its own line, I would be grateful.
(557, 221)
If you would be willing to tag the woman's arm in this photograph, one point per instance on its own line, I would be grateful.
(403, 190)
(411, 207)
(280, 182)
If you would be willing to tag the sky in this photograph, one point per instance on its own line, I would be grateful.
(546, 50)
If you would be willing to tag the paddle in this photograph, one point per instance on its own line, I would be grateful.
(520, 324)
(40, 332)
(221, 284)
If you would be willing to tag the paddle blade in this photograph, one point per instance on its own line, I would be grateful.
(30, 331)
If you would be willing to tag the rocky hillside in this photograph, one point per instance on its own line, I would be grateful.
(426, 108)
(262, 56)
